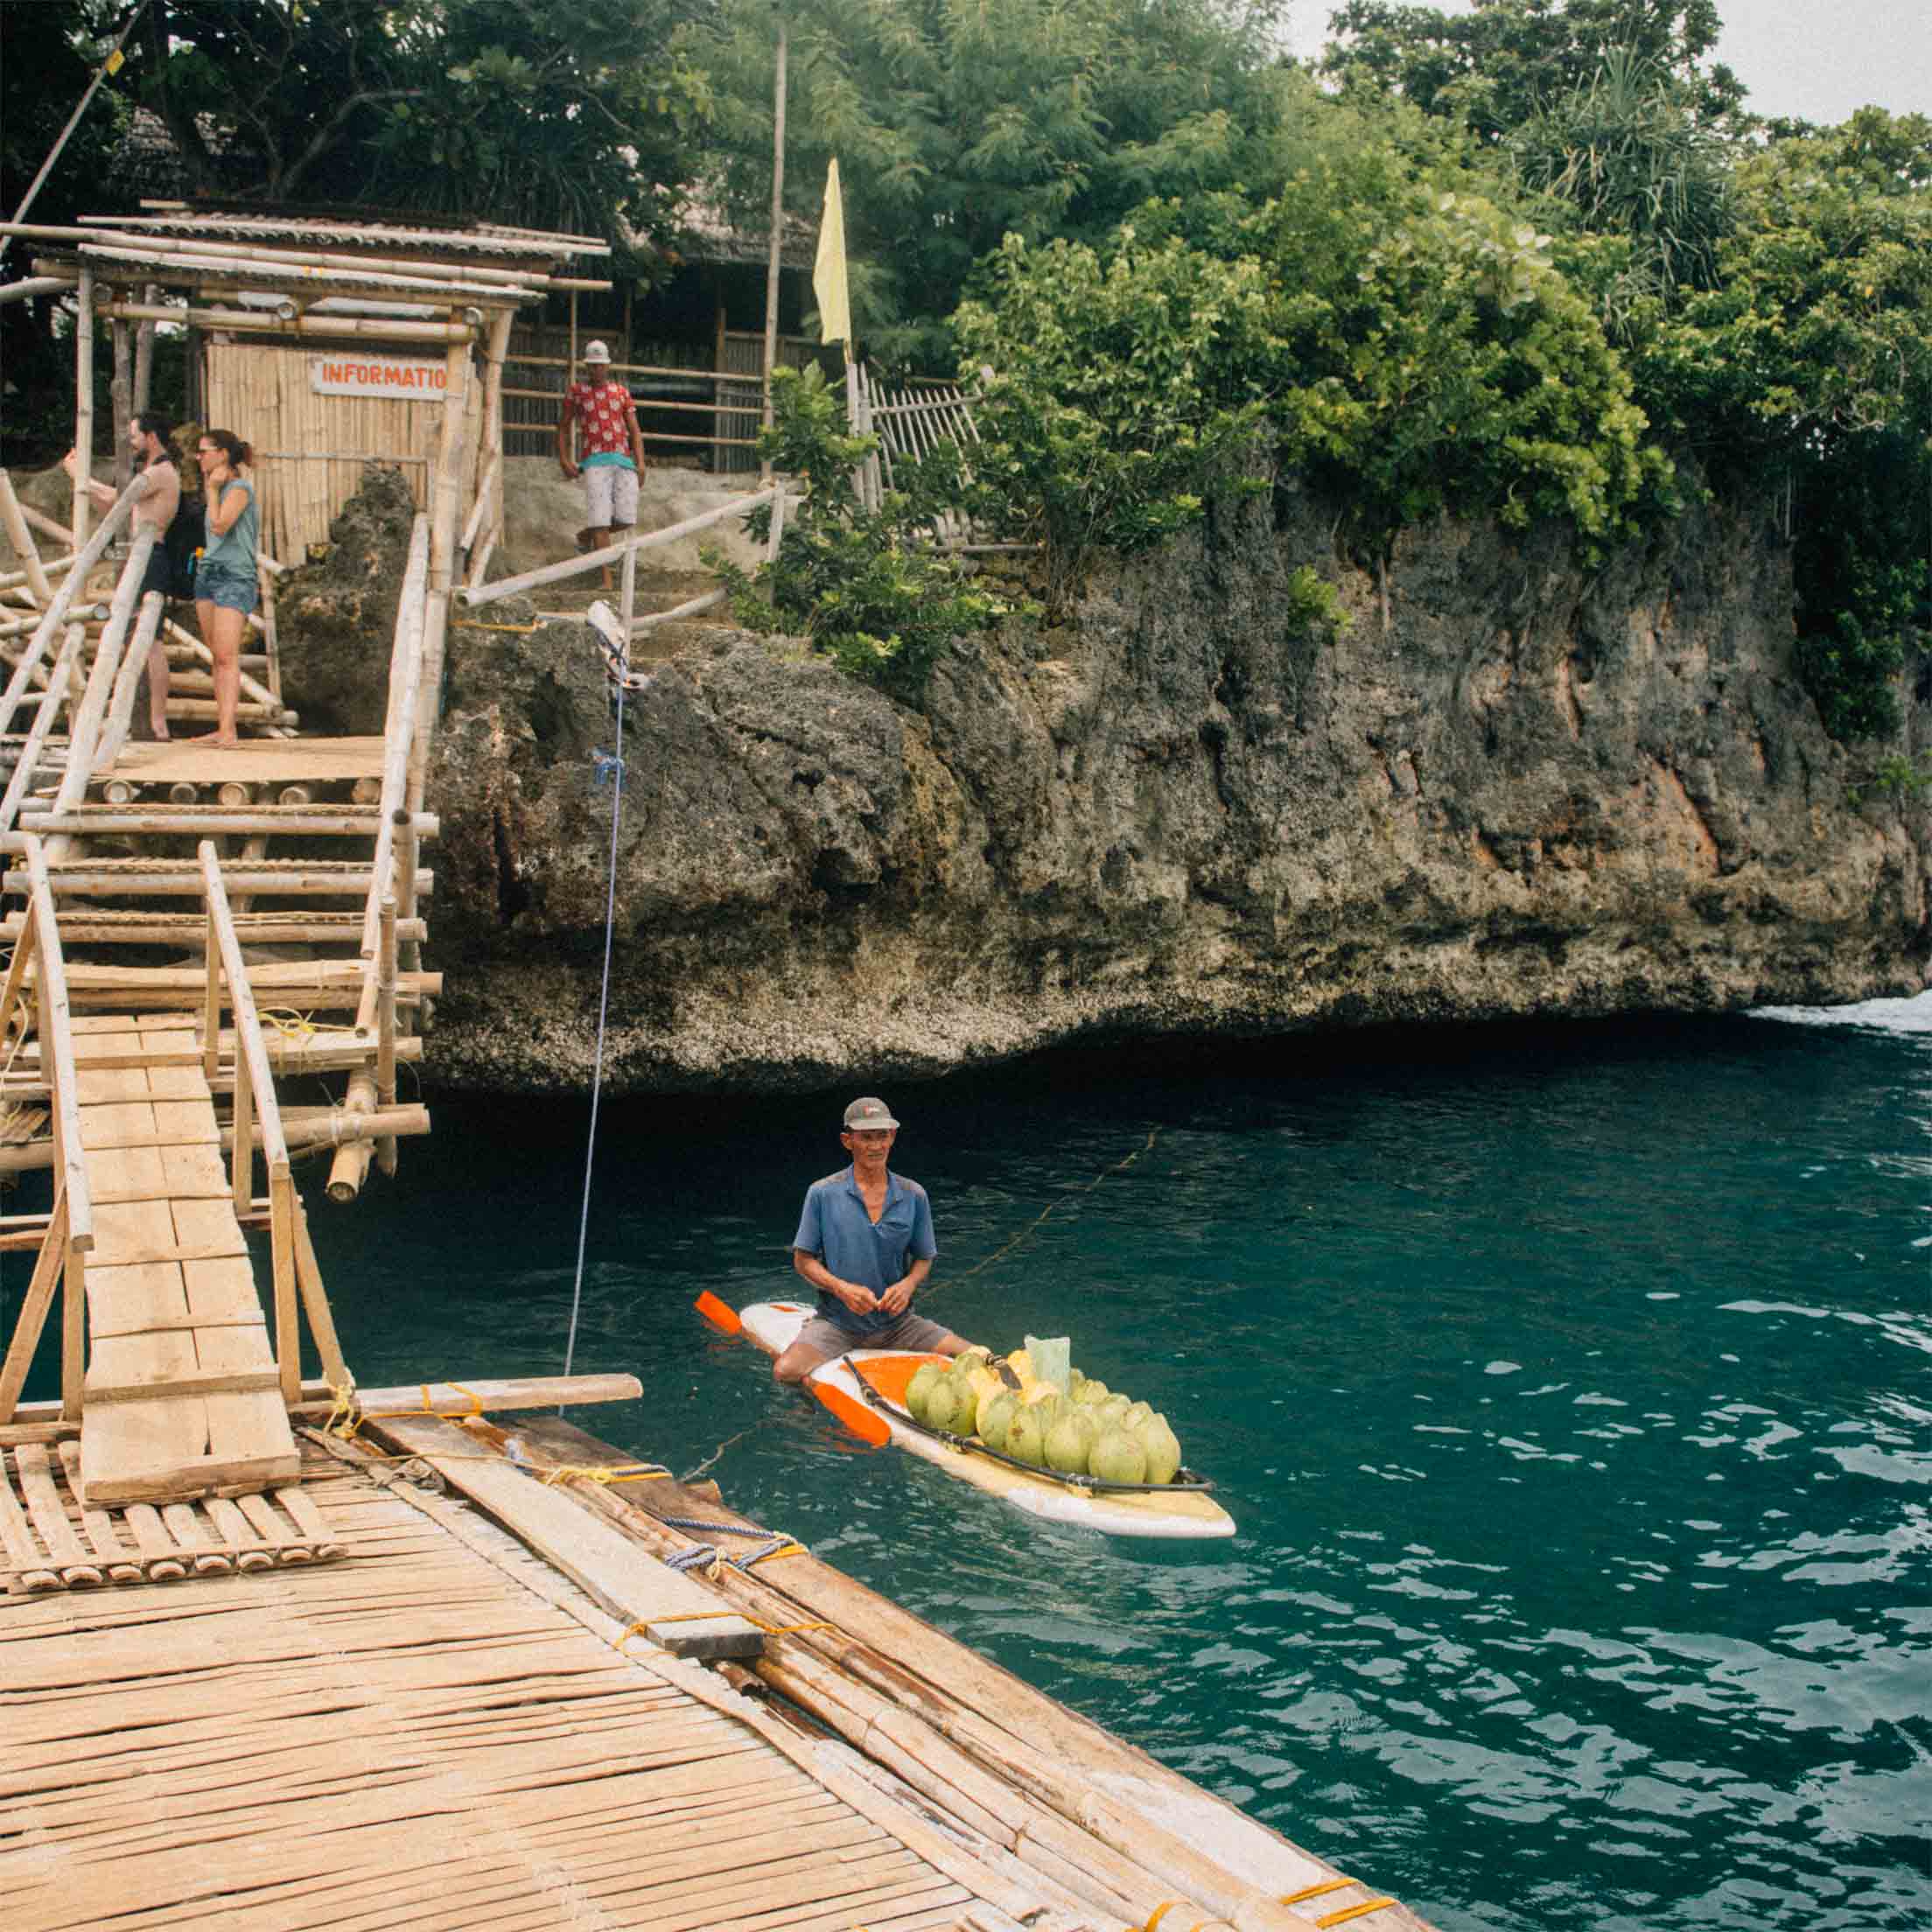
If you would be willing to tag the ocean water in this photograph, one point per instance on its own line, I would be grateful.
(1569, 1387)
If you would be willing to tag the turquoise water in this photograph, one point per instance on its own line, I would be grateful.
(1568, 1388)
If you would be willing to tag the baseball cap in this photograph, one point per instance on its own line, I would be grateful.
(597, 352)
(868, 1113)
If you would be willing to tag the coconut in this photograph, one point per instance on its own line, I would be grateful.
(1092, 1391)
(1138, 1412)
(1163, 1448)
(996, 1417)
(965, 1403)
(1025, 1441)
(1069, 1443)
(920, 1388)
(1076, 1382)
(942, 1403)
(1118, 1457)
(974, 1357)
(1113, 1409)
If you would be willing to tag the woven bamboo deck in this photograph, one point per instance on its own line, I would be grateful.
(437, 1731)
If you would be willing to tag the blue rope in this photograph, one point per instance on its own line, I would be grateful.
(612, 769)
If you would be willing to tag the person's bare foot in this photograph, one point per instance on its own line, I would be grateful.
(217, 741)
(159, 727)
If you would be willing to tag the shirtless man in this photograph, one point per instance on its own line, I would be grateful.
(864, 1241)
(160, 486)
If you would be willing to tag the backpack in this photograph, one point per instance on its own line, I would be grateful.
(183, 540)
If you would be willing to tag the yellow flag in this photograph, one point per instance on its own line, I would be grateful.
(835, 305)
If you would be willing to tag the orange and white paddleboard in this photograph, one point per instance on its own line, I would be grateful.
(877, 1411)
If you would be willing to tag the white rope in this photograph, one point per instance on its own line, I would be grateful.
(615, 767)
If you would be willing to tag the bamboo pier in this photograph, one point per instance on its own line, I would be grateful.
(279, 1651)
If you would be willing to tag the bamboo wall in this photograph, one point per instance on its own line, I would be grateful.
(311, 449)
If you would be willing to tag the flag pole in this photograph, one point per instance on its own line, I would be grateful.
(778, 230)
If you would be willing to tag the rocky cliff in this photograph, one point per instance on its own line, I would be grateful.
(1535, 789)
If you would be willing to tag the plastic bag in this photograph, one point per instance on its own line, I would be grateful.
(1052, 1358)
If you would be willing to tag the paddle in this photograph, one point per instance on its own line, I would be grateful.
(721, 1315)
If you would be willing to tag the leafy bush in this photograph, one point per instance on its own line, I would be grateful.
(870, 589)
(1111, 390)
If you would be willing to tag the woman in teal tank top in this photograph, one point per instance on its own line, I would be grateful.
(225, 586)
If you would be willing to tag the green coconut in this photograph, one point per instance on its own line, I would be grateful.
(1113, 1409)
(1118, 1457)
(1070, 1442)
(1076, 1382)
(1163, 1448)
(975, 1357)
(996, 1417)
(1092, 1392)
(942, 1404)
(1138, 1412)
(918, 1390)
(965, 1403)
(1025, 1441)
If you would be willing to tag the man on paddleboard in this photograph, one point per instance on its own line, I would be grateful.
(864, 1241)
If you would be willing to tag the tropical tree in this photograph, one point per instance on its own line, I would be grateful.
(1498, 67)
(955, 125)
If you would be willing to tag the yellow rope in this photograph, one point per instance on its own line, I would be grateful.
(287, 1022)
(1316, 1891)
(1353, 1912)
(1159, 1913)
(702, 1616)
(346, 1418)
(590, 1472)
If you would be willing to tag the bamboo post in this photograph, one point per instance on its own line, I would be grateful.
(122, 395)
(144, 354)
(49, 1266)
(265, 578)
(315, 1299)
(288, 1332)
(83, 407)
(22, 540)
(211, 1003)
(84, 727)
(241, 1161)
(127, 683)
(628, 595)
(385, 1037)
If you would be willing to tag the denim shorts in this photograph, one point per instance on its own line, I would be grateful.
(231, 590)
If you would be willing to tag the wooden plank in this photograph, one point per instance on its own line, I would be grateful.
(244, 1424)
(623, 1577)
(132, 1230)
(120, 1124)
(206, 1227)
(125, 1446)
(221, 1290)
(128, 1174)
(287, 760)
(134, 1297)
(33, 1318)
(236, 1381)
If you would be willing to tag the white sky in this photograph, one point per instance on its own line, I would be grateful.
(1815, 58)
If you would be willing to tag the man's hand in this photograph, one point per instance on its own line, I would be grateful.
(861, 1301)
(570, 469)
(898, 1297)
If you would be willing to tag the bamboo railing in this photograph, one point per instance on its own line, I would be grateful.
(69, 1238)
(292, 1256)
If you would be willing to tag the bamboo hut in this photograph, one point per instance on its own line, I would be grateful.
(326, 344)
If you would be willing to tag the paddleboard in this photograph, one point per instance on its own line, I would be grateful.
(874, 1379)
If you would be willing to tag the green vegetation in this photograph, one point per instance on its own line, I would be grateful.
(1535, 261)
(868, 587)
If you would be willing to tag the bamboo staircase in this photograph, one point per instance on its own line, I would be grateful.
(146, 870)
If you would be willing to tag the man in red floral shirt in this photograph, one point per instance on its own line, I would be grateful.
(614, 449)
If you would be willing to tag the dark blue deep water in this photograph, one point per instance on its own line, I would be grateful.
(1570, 1389)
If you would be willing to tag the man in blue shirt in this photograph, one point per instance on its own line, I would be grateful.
(864, 1241)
